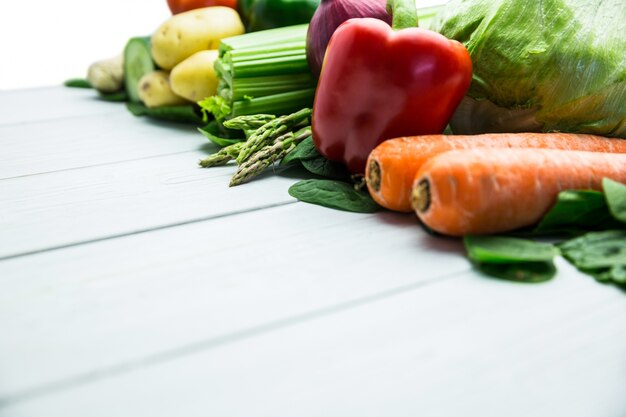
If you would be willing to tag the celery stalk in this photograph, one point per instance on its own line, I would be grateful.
(262, 72)
(270, 66)
(265, 86)
(283, 103)
(283, 49)
(264, 38)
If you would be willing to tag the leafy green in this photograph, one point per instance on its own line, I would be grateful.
(512, 258)
(220, 135)
(616, 198)
(577, 211)
(309, 157)
(597, 249)
(502, 249)
(325, 168)
(181, 114)
(118, 96)
(530, 272)
(600, 254)
(304, 151)
(215, 106)
(333, 194)
(561, 63)
(77, 83)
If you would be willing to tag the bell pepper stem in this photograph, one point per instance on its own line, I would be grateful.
(403, 12)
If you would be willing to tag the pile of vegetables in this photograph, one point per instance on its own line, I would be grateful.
(525, 171)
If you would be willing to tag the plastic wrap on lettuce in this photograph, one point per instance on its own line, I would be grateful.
(550, 65)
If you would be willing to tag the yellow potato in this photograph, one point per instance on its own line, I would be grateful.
(195, 78)
(107, 76)
(184, 34)
(155, 90)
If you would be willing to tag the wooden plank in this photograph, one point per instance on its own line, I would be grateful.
(465, 346)
(61, 144)
(50, 103)
(117, 304)
(73, 206)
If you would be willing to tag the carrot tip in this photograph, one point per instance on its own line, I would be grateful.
(373, 175)
(420, 197)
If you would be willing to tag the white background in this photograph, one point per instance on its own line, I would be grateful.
(45, 42)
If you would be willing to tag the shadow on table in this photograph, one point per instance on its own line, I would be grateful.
(424, 238)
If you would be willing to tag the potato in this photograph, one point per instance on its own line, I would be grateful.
(195, 78)
(155, 90)
(107, 75)
(184, 34)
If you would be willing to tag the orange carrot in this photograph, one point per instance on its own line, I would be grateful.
(482, 191)
(392, 165)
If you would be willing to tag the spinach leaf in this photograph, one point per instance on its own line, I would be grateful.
(519, 271)
(616, 198)
(304, 151)
(502, 249)
(325, 168)
(512, 258)
(615, 274)
(221, 136)
(181, 114)
(596, 249)
(77, 83)
(307, 154)
(600, 254)
(118, 96)
(576, 211)
(333, 194)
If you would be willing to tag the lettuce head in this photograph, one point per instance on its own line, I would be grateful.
(549, 65)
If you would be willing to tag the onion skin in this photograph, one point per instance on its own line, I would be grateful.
(327, 18)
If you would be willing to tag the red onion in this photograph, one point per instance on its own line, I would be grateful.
(328, 16)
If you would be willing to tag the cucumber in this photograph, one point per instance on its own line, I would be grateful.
(137, 62)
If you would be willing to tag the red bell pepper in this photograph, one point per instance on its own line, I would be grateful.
(378, 84)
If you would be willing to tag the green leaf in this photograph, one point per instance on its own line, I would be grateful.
(181, 114)
(616, 198)
(615, 274)
(77, 83)
(599, 254)
(333, 194)
(522, 272)
(220, 135)
(596, 250)
(577, 211)
(304, 151)
(118, 96)
(325, 168)
(216, 106)
(512, 259)
(502, 250)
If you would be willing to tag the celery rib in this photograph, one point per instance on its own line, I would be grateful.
(264, 72)
(277, 104)
(264, 38)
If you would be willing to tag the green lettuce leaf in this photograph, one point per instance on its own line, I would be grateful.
(563, 60)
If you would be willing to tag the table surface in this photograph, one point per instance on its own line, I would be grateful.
(136, 284)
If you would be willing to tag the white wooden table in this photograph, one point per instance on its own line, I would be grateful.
(133, 283)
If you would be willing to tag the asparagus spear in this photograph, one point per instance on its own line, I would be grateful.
(223, 156)
(268, 155)
(270, 131)
(250, 122)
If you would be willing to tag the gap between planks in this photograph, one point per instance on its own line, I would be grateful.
(123, 161)
(147, 230)
(227, 339)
